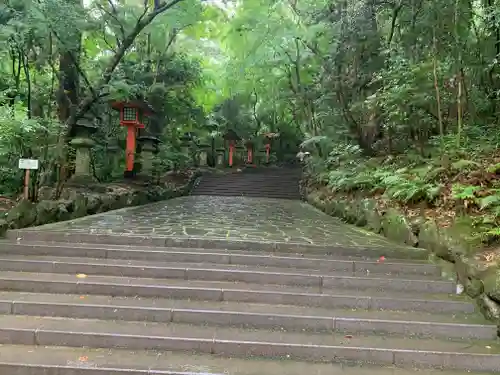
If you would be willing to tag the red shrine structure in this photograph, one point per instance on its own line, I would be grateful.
(231, 138)
(132, 115)
(268, 141)
(249, 145)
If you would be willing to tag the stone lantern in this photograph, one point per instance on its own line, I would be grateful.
(186, 141)
(149, 147)
(203, 154)
(81, 140)
(219, 162)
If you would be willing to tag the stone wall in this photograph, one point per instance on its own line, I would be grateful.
(77, 203)
(477, 272)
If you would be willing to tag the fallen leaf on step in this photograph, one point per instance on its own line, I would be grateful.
(348, 336)
(381, 259)
(81, 276)
(82, 297)
(83, 359)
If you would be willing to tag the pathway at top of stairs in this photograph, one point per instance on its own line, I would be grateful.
(109, 295)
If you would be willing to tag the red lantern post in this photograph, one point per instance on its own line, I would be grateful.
(268, 139)
(249, 152)
(231, 153)
(231, 138)
(131, 116)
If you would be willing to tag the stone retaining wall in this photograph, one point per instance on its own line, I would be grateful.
(479, 275)
(78, 203)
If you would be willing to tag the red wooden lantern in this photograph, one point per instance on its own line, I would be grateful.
(249, 145)
(132, 115)
(269, 138)
(231, 137)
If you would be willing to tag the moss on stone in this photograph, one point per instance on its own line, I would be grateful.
(80, 204)
(397, 228)
(22, 215)
(75, 204)
(46, 212)
(4, 225)
(481, 280)
(489, 308)
(372, 215)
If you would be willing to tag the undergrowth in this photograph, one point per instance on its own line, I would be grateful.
(452, 185)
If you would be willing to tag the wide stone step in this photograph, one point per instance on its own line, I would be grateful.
(254, 182)
(286, 188)
(98, 250)
(238, 193)
(229, 188)
(267, 181)
(348, 265)
(318, 282)
(257, 185)
(239, 342)
(247, 194)
(37, 360)
(230, 292)
(58, 237)
(118, 259)
(37, 246)
(292, 318)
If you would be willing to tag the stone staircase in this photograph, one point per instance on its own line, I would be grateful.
(269, 182)
(92, 309)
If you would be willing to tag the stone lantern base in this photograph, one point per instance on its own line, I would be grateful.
(82, 143)
(219, 162)
(149, 148)
(203, 155)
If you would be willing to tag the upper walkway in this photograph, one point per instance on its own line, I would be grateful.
(272, 223)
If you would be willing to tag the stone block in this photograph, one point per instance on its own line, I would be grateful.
(397, 228)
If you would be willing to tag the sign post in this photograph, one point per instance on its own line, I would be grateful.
(27, 165)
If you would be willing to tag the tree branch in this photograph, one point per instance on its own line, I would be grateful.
(77, 66)
(144, 20)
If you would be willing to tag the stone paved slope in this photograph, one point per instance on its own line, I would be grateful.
(148, 310)
(282, 183)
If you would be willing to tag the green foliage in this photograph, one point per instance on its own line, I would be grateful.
(464, 165)
(464, 192)
(487, 200)
(397, 185)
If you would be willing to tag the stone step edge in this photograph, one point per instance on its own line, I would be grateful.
(218, 193)
(13, 247)
(320, 282)
(241, 189)
(205, 243)
(235, 348)
(33, 285)
(34, 369)
(247, 319)
(220, 258)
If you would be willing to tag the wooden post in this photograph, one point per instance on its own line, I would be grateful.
(231, 151)
(27, 165)
(130, 150)
(249, 154)
(26, 184)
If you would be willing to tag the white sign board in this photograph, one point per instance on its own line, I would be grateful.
(28, 164)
